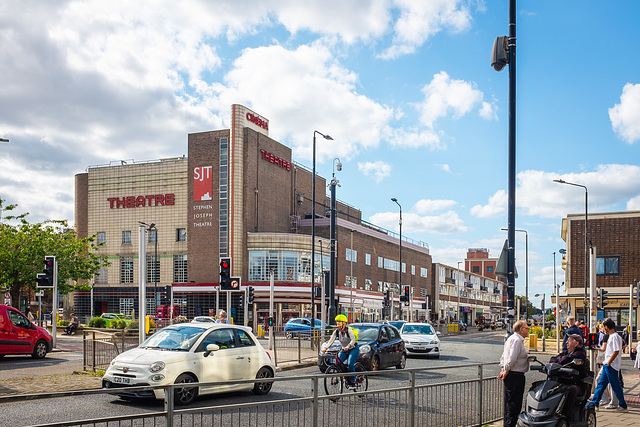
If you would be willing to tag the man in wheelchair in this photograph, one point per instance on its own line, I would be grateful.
(575, 351)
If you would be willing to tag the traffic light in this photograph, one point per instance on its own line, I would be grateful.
(564, 262)
(318, 291)
(241, 302)
(386, 303)
(602, 298)
(406, 289)
(270, 321)
(225, 274)
(251, 296)
(45, 279)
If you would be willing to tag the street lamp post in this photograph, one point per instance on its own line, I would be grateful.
(393, 199)
(313, 230)
(459, 290)
(353, 316)
(156, 266)
(526, 269)
(543, 320)
(332, 280)
(587, 313)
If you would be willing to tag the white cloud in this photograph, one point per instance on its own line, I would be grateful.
(444, 95)
(419, 20)
(625, 116)
(415, 139)
(380, 170)
(445, 223)
(489, 111)
(445, 168)
(426, 205)
(497, 206)
(536, 194)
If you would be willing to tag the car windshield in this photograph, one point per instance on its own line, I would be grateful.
(417, 329)
(124, 316)
(174, 338)
(366, 333)
(397, 325)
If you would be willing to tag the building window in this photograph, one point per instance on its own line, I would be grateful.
(102, 237)
(102, 276)
(608, 266)
(223, 198)
(380, 287)
(380, 262)
(413, 270)
(127, 306)
(153, 235)
(367, 284)
(404, 267)
(153, 269)
(180, 268)
(181, 234)
(126, 237)
(126, 269)
(351, 282)
(490, 269)
(367, 259)
(352, 255)
(423, 272)
(475, 269)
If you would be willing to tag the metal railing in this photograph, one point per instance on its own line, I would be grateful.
(100, 347)
(417, 400)
(289, 346)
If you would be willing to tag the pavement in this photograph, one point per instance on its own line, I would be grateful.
(605, 417)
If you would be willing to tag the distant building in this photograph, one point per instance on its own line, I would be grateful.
(616, 238)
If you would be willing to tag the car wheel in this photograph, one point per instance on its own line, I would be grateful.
(185, 395)
(39, 350)
(375, 363)
(288, 335)
(263, 388)
(403, 362)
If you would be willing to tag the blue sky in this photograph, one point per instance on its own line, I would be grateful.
(404, 87)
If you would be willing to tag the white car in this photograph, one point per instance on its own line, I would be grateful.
(193, 352)
(203, 319)
(420, 338)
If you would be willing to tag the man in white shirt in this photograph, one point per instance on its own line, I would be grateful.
(514, 363)
(610, 369)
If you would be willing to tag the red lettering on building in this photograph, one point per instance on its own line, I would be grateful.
(258, 121)
(141, 201)
(270, 157)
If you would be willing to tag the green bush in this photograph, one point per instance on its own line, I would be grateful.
(97, 322)
(63, 323)
(118, 324)
(133, 325)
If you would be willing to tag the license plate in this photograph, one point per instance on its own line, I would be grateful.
(122, 380)
(419, 348)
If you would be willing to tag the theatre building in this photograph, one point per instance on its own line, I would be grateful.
(237, 194)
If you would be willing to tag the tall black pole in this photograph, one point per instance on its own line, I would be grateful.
(332, 263)
(511, 253)
(587, 313)
(313, 240)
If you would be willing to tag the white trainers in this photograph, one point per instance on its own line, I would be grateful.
(621, 409)
(610, 406)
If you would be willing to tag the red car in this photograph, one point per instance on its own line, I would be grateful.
(18, 335)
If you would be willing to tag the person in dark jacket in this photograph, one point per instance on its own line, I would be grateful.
(572, 329)
(575, 351)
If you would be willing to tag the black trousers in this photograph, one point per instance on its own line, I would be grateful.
(513, 392)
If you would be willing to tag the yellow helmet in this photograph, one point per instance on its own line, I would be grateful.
(341, 318)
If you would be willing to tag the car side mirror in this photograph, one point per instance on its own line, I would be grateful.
(438, 333)
(210, 349)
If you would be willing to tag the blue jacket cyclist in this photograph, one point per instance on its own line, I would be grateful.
(349, 345)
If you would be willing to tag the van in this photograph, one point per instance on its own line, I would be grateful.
(18, 335)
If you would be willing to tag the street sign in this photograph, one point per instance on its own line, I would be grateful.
(235, 283)
(7, 295)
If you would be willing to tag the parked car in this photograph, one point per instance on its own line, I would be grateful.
(381, 346)
(192, 352)
(301, 326)
(19, 335)
(112, 318)
(397, 323)
(204, 319)
(421, 338)
(461, 325)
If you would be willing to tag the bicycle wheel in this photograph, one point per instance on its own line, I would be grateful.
(362, 382)
(333, 385)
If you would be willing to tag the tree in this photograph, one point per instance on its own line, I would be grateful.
(23, 247)
(530, 309)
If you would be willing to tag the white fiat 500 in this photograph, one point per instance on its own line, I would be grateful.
(192, 352)
(420, 338)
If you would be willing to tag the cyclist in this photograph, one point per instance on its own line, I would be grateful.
(349, 345)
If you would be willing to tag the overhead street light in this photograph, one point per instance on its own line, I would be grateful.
(587, 313)
(313, 230)
(393, 199)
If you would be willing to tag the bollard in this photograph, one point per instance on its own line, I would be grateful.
(533, 342)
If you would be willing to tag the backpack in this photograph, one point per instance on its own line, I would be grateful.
(355, 332)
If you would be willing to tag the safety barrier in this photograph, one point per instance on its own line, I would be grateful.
(410, 397)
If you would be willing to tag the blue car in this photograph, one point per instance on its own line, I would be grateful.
(300, 326)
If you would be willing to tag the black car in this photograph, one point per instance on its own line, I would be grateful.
(380, 347)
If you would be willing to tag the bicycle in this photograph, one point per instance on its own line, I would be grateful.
(336, 385)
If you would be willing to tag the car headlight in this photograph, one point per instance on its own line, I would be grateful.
(365, 349)
(156, 366)
(435, 342)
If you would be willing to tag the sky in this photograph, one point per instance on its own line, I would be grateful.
(404, 87)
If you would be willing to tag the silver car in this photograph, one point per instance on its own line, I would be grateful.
(420, 338)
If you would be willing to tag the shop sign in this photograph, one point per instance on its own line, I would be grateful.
(371, 303)
(202, 183)
(258, 121)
